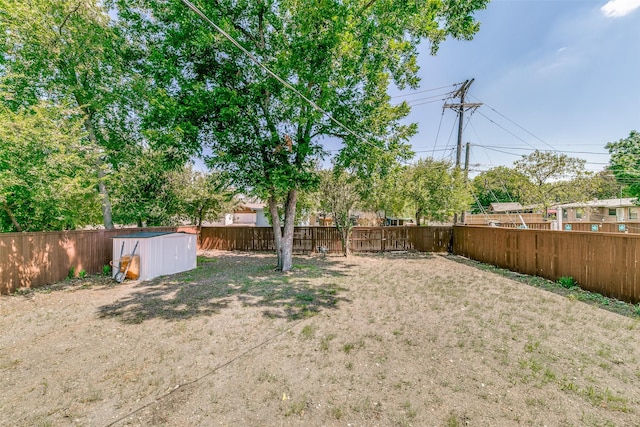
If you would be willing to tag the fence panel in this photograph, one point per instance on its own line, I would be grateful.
(310, 239)
(600, 262)
(36, 259)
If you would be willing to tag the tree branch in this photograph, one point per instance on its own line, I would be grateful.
(66, 18)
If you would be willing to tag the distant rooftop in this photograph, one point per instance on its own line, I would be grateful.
(505, 207)
(605, 203)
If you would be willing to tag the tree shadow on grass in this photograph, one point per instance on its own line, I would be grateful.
(231, 278)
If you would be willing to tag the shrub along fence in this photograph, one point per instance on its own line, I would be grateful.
(606, 263)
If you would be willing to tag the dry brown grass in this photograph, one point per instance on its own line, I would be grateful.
(396, 339)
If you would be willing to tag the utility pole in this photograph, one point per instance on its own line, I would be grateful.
(461, 107)
(466, 172)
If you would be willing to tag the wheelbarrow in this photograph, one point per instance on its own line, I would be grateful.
(121, 275)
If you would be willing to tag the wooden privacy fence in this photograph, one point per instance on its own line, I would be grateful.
(309, 239)
(606, 263)
(603, 227)
(36, 259)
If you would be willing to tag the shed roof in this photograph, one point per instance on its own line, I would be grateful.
(144, 234)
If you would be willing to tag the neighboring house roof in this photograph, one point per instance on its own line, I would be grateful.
(605, 203)
(250, 207)
(254, 206)
(505, 207)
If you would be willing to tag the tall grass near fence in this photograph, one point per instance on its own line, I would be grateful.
(606, 263)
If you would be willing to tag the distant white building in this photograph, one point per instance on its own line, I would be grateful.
(607, 210)
(250, 214)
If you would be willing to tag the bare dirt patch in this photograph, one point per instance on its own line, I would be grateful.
(395, 339)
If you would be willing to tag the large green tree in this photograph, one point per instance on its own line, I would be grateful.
(383, 193)
(68, 53)
(435, 190)
(553, 177)
(202, 196)
(607, 186)
(340, 55)
(339, 195)
(46, 181)
(499, 185)
(143, 191)
(625, 162)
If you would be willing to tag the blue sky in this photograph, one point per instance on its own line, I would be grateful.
(554, 74)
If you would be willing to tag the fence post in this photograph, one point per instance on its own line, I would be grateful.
(313, 239)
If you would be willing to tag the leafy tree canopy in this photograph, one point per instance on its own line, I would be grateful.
(435, 190)
(625, 162)
(499, 185)
(338, 195)
(46, 179)
(341, 55)
(551, 175)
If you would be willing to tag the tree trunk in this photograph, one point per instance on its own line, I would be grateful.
(16, 225)
(200, 215)
(105, 202)
(346, 241)
(289, 227)
(277, 229)
(284, 236)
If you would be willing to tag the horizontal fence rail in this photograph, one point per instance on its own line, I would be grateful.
(315, 239)
(36, 259)
(601, 227)
(606, 263)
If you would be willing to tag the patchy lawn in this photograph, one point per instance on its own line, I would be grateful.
(395, 339)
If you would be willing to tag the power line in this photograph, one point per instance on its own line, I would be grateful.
(530, 133)
(486, 147)
(438, 96)
(437, 133)
(426, 90)
(506, 130)
(546, 151)
(428, 102)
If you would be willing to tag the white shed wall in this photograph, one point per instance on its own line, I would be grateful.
(159, 255)
(261, 218)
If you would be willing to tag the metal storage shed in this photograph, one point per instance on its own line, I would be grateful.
(161, 253)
